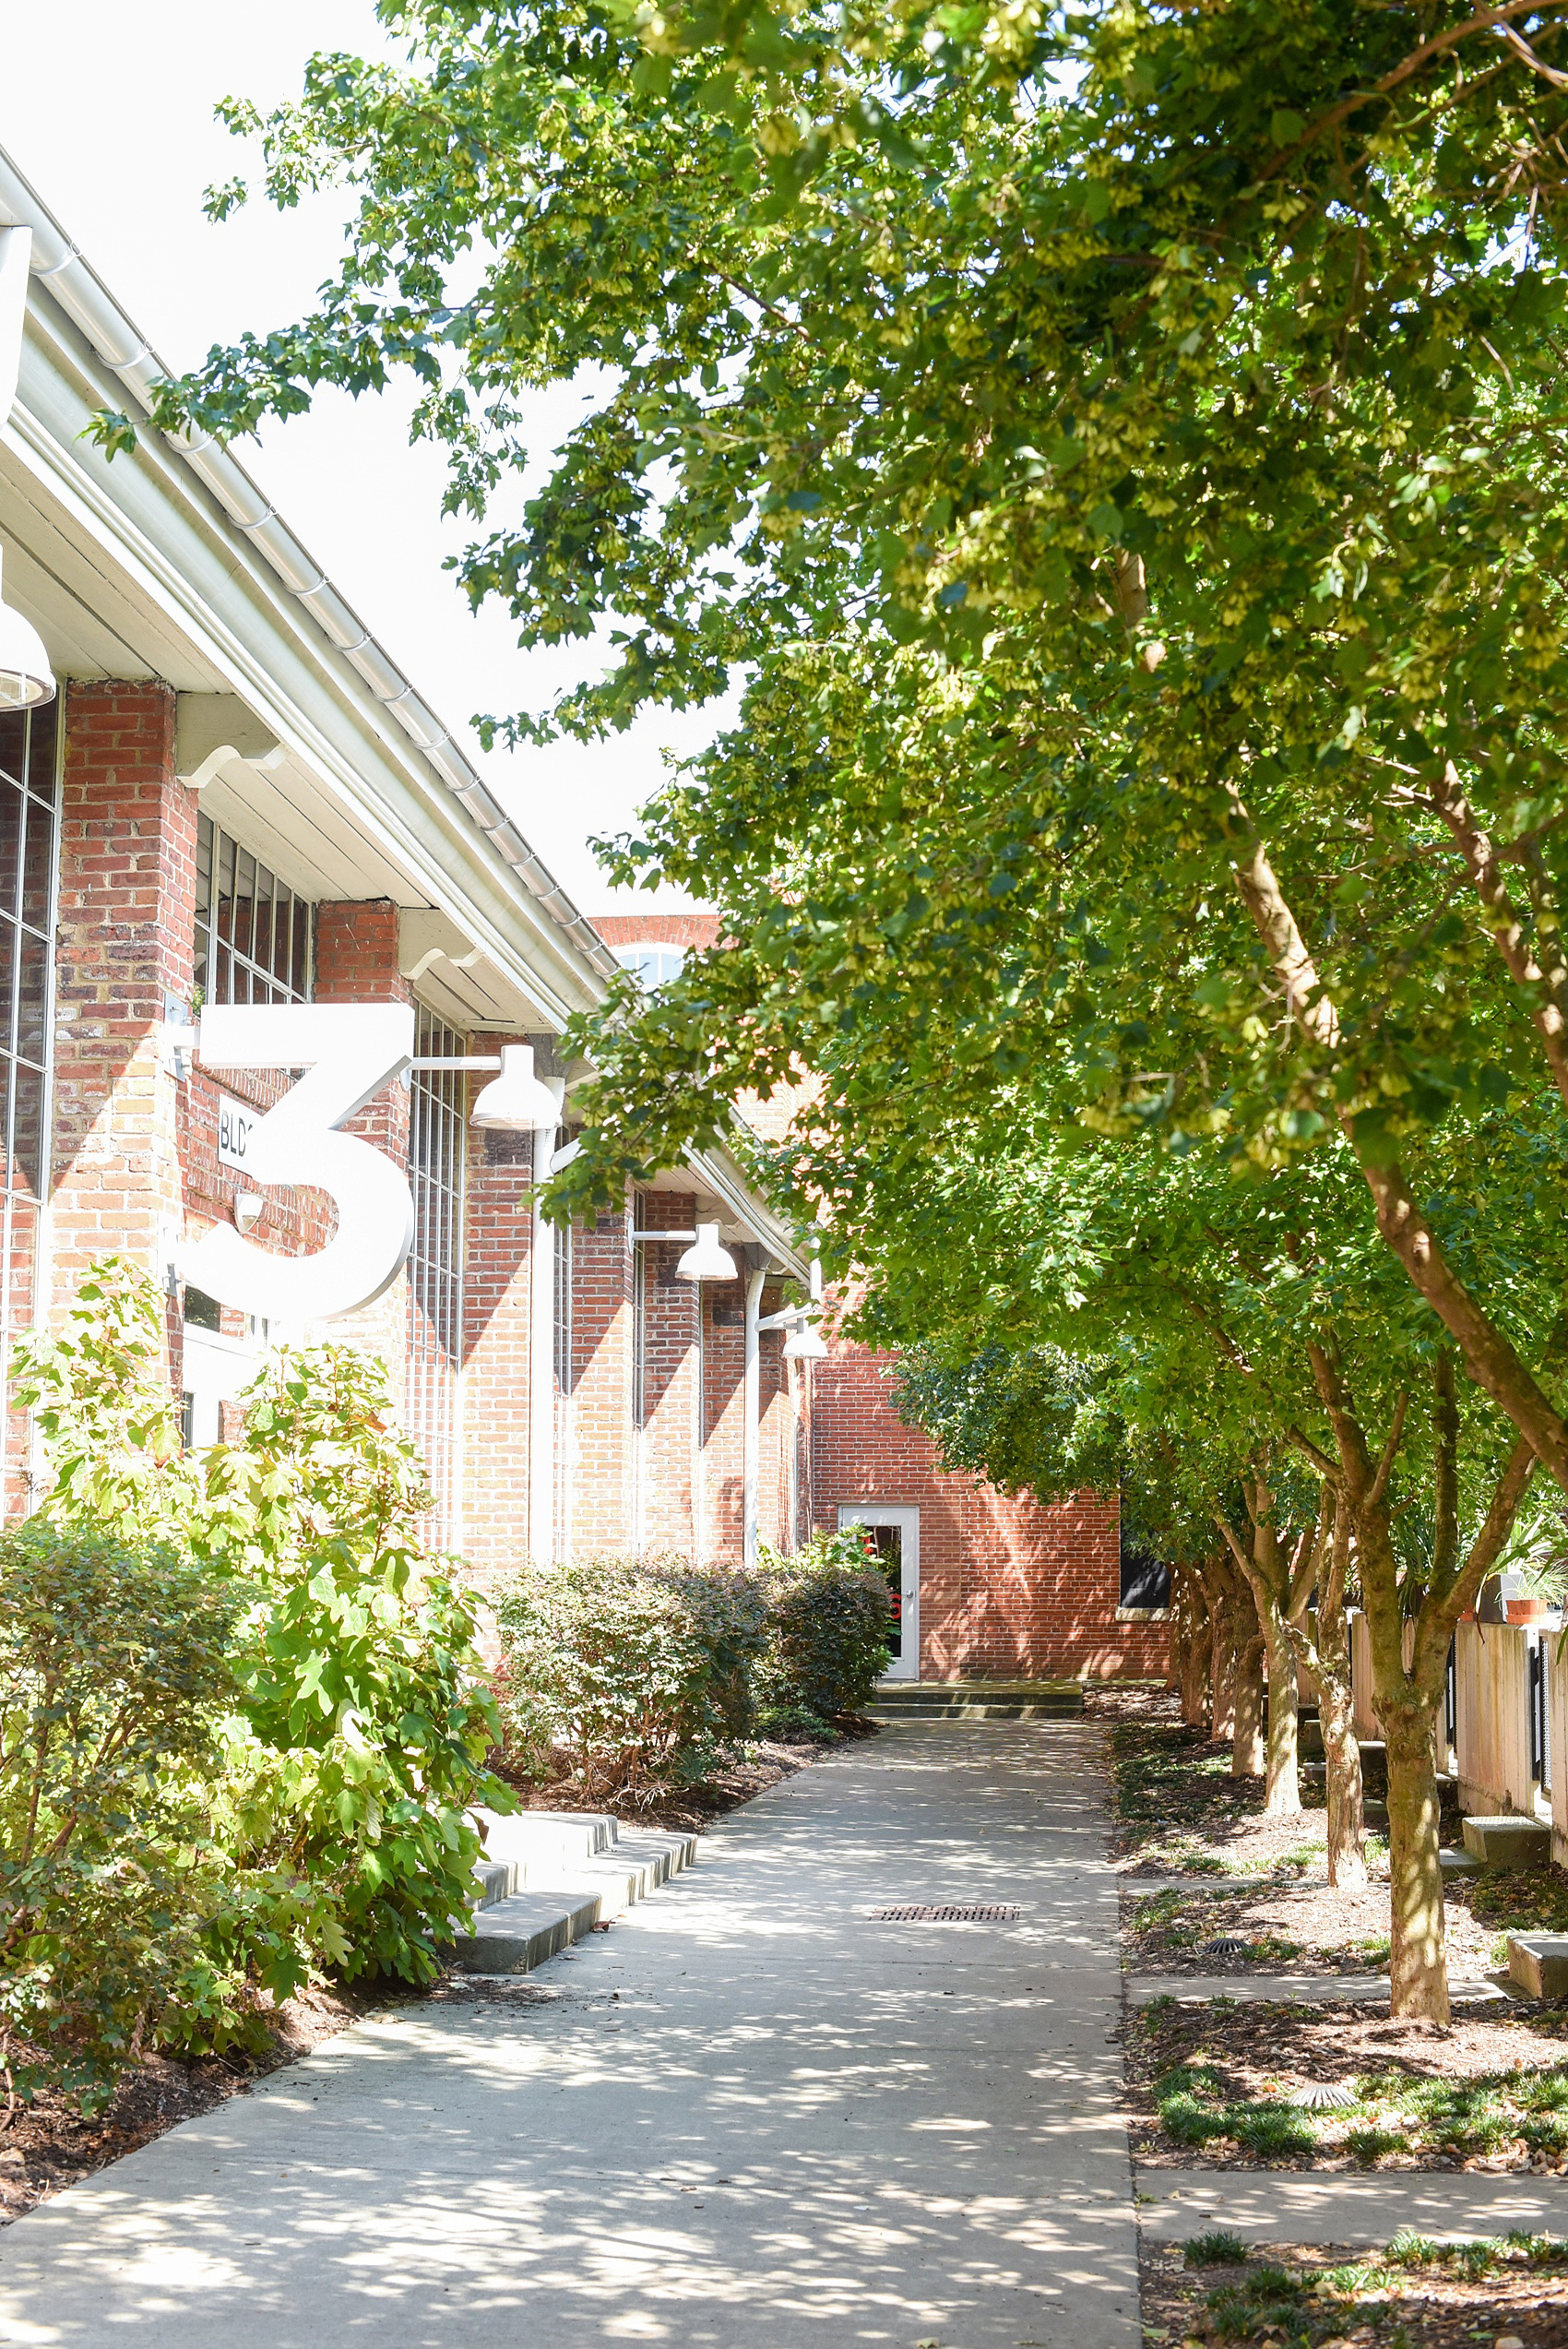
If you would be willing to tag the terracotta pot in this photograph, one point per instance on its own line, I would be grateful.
(1526, 1610)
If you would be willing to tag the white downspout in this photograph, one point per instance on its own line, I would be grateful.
(542, 1362)
(752, 1441)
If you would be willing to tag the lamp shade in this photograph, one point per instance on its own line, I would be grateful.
(26, 678)
(708, 1260)
(805, 1343)
(516, 1101)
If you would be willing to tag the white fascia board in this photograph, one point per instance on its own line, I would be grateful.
(164, 531)
(723, 1177)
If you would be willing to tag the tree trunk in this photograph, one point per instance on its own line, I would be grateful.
(1246, 1738)
(1266, 1573)
(1282, 1797)
(1198, 1646)
(1220, 1591)
(1418, 1965)
(1341, 1754)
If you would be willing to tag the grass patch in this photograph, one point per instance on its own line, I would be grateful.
(1393, 2113)
(1520, 1901)
(1302, 2305)
(1217, 2248)
(1195, 2108)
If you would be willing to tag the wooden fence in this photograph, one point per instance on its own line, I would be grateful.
(1509, 1717)
(1491, 1671)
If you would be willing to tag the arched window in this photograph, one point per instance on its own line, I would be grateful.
(656, 963)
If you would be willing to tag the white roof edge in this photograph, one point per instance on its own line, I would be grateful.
(729, 1185)
(81, 293)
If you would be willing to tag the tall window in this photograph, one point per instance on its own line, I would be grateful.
(253, 935)
(29, 801)
(437, 1129)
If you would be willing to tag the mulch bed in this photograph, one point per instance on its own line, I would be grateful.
(1267, 2054)
(1436, 2307)
(762, 1764)
(1301, 1928)
(49, 2144)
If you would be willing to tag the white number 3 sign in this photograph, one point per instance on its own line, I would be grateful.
(348, 1051)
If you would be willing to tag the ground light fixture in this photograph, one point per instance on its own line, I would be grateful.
(26, 678)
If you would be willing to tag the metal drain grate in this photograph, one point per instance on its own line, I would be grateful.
(948, 1913)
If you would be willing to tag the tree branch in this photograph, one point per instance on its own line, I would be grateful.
(1385, 1464)
(1320, 1460)
(1484, 862)
(1485, 20)
(1490, 1360)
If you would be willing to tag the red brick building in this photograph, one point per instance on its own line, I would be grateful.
(235, 803)
(995, 1585)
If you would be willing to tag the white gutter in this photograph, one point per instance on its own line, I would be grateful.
(86, 301)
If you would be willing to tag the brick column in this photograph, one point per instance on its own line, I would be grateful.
(671, 1332)
(126, 901)
(601, 1513)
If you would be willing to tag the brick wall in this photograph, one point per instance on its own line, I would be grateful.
(127, 860)
(1008, 1588)
(600, 1414)
(668, 1487)
(657, 929)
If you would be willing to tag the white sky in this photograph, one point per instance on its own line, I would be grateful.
(107, 110)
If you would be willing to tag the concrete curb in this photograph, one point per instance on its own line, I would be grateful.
(1297, 2206)
(1306, 1989)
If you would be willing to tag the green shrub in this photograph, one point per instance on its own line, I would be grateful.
(627, 1676)
(364, 1725)
(114, 1674)
(1217, 2248)
(1269, 2302)
(828, 1623)
(360, 1723)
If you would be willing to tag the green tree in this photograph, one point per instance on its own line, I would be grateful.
(1118, 444)
(1253, 1339)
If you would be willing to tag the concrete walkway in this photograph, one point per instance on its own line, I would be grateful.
(748, 2116)
(1295, 2206)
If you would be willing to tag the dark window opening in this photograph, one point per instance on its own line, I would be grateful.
(1146, 1578)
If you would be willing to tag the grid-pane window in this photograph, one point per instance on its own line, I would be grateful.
(28, 819)
(438, 1130)
(253, 935)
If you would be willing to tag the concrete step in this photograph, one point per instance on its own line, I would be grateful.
(890, 1714)
(535, 1904)
(978, 1701)
(1509, 1840)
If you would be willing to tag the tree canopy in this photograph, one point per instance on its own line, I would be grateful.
(1117, 447)
(1117, 444)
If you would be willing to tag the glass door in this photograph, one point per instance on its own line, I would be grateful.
(896, 1534)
